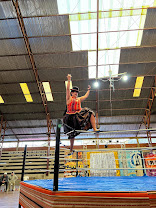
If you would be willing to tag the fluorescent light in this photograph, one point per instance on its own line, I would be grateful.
(71, 86)
(139, 82)
(26, 92)
(1, 99)
(49, 97)
(96, 84)
(138, 86)
(47, 90)
(28, 98)
(125, 77)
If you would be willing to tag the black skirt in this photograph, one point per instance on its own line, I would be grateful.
(77, 121)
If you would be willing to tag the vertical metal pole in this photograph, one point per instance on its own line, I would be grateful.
(17, 146)
(77, 163)
(143, 163)
(48, 149)
(23, 168)
(57, 152)
(2, 136)
(24, 158)
(97, 63)
(1, 127)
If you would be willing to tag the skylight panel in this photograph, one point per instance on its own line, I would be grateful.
(108, 21)
(47, 90)
(1, 99)
(75, 6)
(92, 72)
(105, 57)
(84, 42)
(26, 92)
(66, 82)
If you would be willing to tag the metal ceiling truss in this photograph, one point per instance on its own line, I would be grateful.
(39, 83)
(85, 66)
(62, 110)
(147, 114)
(93, 12)
(2, 133)
(89, 33)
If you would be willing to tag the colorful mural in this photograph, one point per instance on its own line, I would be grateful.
(108, 160)
(150, 162)
(130, 159)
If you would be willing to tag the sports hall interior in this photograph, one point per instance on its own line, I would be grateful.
(109, 45)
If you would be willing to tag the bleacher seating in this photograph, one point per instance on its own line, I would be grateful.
(35, 164)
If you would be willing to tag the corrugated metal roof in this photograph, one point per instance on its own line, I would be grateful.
(55, 57)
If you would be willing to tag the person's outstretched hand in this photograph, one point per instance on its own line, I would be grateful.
(89, 87)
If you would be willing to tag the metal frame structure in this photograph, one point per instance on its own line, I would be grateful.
(38, 112)
(147, 114)
(57, 153)
(97, 64)
(146, 118)
(2, 134)
(54, 15)
(37, 78)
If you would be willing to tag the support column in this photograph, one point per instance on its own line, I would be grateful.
(2, 134)
(23, 167)
(48, 149)
(57, 152)
(17, 146)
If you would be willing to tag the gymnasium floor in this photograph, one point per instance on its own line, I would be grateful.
(10, 199)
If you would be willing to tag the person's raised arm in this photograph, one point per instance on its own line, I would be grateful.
(68, 87)
(86, 95)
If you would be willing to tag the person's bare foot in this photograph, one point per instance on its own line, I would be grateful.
(97, 130)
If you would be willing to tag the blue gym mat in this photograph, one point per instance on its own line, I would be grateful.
(124, 183)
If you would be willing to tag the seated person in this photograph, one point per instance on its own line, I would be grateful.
(4, 180)
(12, 180)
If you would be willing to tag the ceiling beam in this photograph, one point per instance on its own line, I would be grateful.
(54, 15)
(62, 110)
(86, 101)
(86, 66)
(66, 35)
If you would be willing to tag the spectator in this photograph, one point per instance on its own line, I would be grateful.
(4, 180)
(12, 180)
